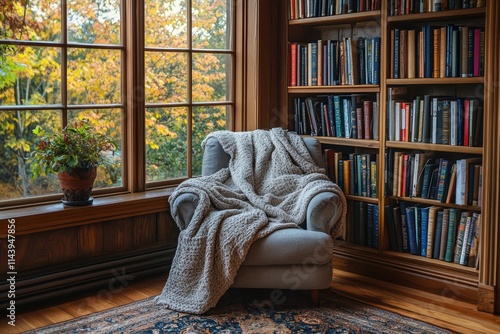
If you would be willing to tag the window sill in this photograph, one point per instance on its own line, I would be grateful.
(55, 216)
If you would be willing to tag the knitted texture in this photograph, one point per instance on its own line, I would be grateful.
(271, 178)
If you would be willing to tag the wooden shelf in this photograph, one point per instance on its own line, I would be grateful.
(362, 199)
(365, 143)
(341, 89)
(435, 203)
(436, 81)
(442, 15)
(337, 19)
(434, 147)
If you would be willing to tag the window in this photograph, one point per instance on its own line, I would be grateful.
(66, 60)
(188, 64)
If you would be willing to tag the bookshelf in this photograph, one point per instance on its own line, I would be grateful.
(380, 259)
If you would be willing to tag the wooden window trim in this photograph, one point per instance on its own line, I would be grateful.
(53, 216)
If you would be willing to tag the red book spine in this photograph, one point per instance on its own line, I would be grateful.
(368, 114)
(293, 64)
(466, 121)
(477, 53)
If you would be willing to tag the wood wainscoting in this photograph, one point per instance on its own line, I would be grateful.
(62, 251)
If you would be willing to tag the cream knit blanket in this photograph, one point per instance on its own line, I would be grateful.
(271, 178)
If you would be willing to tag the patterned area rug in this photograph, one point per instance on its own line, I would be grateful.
(249, 311)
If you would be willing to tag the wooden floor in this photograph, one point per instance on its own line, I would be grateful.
(456, 316)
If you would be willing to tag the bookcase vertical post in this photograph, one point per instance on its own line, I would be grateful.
(489, 294)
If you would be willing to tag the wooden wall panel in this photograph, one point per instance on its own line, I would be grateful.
(90, 240)
(46, 248)
(3, 258)
(144, 230)
(117, 235)
(168, 231)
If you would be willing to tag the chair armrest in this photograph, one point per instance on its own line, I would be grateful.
(323, 211)
(183, 209)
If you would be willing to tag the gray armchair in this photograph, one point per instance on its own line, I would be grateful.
(291, 258)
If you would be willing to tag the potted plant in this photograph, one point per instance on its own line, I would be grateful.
(73, 155)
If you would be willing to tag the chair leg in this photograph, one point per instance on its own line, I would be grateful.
(315, 297)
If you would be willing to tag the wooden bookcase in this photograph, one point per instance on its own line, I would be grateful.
(477, 285)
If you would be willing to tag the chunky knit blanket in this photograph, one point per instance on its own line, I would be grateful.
(269, 182)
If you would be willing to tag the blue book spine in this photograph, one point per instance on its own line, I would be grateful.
(362, 61)
(404, 227)
(314, 64)
(437, 235)
(428, 52)
(410, 222)
(331, 114)
(369, 225)
(339, 120)
(376, 60)
(424, 223)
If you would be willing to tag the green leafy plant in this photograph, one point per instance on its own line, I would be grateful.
(78, 146)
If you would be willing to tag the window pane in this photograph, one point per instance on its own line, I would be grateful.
(30, 76)
(35, 20)
(166, 143)
(109, 122)
(206, 119)
(94, 76)
(94, 21)
(211, 27)
(165, 24)
(166, 77)
(211, 77)
(18, 141)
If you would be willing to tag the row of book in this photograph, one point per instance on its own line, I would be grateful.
(403, 7)
(341, 116)
(437, 52)
(446, 234)
(362, 227)
(445, 180)
(316, 8)
(346, 61)
(434, 119)
(355, 174)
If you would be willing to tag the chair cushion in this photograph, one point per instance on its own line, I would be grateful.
(291, 246)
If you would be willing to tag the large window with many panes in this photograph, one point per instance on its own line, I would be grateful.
(62, 61)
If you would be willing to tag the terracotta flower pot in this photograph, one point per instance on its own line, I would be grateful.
(76, 185)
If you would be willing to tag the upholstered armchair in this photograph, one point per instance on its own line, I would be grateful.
(290, 258)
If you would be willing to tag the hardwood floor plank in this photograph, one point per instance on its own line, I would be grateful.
(458, 316)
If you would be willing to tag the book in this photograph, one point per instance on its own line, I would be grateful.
(429, 168)
(444, 233)
(391, 228)
(431, 229)
(454, 216)
(444, 171)
(411, 230)
(462, 182)
(460, 236)
(438, 229)
(424, 226)
(396, 214)
(474, 247)
(469, 228)
(451, 188)
(394, 94)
